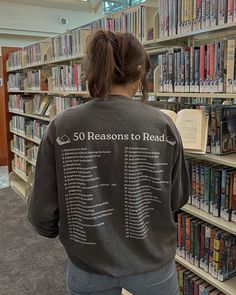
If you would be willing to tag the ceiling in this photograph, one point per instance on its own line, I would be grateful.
(80, 5)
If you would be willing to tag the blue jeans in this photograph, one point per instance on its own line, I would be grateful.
(161, 282)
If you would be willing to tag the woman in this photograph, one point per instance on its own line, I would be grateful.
(109, 175)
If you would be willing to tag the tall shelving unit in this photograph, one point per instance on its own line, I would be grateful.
(21, 182)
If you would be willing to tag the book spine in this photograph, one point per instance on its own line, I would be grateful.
(187, 239)
(216, 67)
(213, 130)
(179, 239)
(193, 183)
(218, 130)
(183, 234)
(214, 10)
(208, 13)
(216, 201)
(197, 233)
(211, 252)
(196, 69)
(179, 17)
(192, 70)
(206, 206)
(206, 248)
(222, 193)
(222, 11)
(197, 199)
(202, 186)
(202, 67)
(203, 24)
(223, 259)
(212, 67)
(212, 195)
(202, 245)
(230, 10)
(192, 235)
(187, 68)
(182, 70)
(234, 197)
(230, 65)
(216, 254)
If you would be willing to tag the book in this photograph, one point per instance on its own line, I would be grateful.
(233, 185)
(193, 128)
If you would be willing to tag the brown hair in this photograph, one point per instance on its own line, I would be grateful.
(115, 58)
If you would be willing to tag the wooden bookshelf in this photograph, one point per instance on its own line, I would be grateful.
(43, 118)
(26, 137)
(227, 287)
(217, 221)
(195, 94)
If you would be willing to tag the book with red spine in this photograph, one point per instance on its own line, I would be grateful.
(202, 67)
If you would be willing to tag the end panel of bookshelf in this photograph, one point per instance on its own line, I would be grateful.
(227, 287)
(228, 226)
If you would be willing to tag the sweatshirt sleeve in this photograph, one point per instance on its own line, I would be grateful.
(43, 211)
(180, 189)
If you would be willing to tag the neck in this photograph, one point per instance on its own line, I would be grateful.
(120, 90)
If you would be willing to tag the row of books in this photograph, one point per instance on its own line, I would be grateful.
(206, 246)
(69, 44)
(197, 69)
(31, 128)
(36, 80)
(24, 147)
(220, 128)
(191, 284)
(68, 78)
(138, 21)
(48, 106)
(21, 165)
(213, 189)
(180, 16)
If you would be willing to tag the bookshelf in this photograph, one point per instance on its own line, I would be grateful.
(228, 287)
(157, 45)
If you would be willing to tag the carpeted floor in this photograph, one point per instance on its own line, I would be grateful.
(29, 264)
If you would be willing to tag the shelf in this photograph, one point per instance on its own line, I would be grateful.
(217, 221)
(20, 174)
(196, 94)
(227, 160)
(60, 93)
(228, 287)
(72, 58)
(229, 29)
(26, 137)
(23, 157)
(43, 118)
